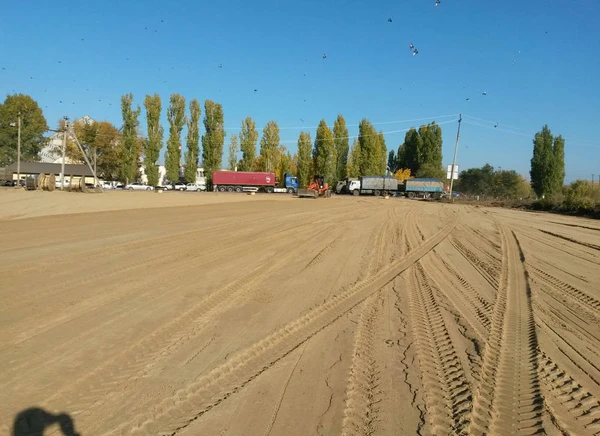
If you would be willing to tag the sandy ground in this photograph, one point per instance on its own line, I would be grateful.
(270, 315)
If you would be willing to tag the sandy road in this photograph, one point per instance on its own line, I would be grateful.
(269, 315)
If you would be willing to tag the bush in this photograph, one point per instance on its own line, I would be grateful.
(579, 198)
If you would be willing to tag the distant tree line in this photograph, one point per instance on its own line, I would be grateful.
(117, 153)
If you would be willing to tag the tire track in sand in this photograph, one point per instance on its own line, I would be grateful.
(508, 398)
(446, 389)
(139, 357)
(585, 301)
(363, 393)
(574, 409)
(179, 410)
(473, 308)
(486, 270)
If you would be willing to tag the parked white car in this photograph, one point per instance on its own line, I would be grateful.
(195, 187)
(180, 186)
(137, 186)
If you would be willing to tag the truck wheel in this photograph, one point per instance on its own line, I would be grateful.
(290, 190)
(376, 193)
(269, 190)
(230, 189)
(221, 188)
(411, 195)
(238, 189)
(356, 192)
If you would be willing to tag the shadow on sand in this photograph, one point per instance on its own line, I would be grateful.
(33, 422)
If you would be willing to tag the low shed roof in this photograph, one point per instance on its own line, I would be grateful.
(50, 168)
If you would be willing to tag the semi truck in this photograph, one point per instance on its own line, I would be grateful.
(372, 185)
(423, 187)
(246, 181)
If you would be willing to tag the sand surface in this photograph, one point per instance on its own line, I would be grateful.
(271, 315)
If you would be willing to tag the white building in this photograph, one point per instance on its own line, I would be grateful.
(162, 174)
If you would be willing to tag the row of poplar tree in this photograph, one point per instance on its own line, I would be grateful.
(330, 154)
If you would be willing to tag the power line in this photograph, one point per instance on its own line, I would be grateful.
(569, 143)
(495, 123)
(497, 129)
(527, 133)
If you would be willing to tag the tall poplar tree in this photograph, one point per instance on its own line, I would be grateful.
(192, 154)
(154, 143)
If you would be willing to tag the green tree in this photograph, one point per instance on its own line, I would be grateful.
(213, 139)
(193, 140)
(509, 184)
(401, 157)
(392, 162)
(269, 144)
(108, 150)
(545, 172)
(176, 117)
(430, 152)
(285, 165)
(324, 153)
(558, 164)
(353, 167)
(33, 127)
(476, 181)
(154, 143)
(130, 152)
(248, 138)
(411, 150)
(382, 153)
(371, 149)
(341, 144)
(421, 151)
(304, 159)
(233, 152)
(294, 165)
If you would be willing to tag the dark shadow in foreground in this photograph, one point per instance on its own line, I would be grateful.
(33, 422)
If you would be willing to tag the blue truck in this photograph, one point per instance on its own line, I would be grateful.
(423, 188)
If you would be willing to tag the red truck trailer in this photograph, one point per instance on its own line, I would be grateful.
(239, 181)
(245, 181)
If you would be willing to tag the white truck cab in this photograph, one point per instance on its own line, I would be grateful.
(354, 187)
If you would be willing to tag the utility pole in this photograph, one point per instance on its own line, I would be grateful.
(19, 150)
(454, 160)
(64, 151)
(95, 170)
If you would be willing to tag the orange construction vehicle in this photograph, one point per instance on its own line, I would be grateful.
(318, 187)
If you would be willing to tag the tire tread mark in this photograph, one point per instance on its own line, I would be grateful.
(587, 301)
(446, 390)
(456, 295)
(572, 406)
(508, 398)
(176, 412)
(166, 339)
(487, 272)
(575, 241)
(362, 393)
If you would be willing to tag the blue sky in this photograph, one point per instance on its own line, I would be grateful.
(465, 48)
